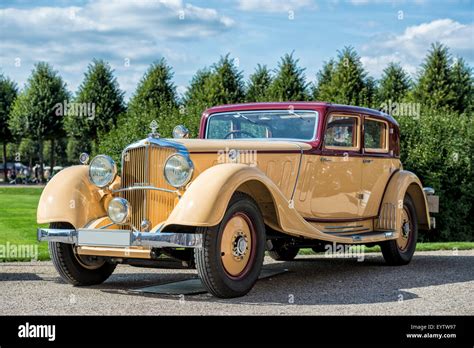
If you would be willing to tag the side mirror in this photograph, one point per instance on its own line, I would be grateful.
(180, 132)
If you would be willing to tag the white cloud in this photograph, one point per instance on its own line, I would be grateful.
(166, 19)
(69, 37)
(410, 47)
(275, 5)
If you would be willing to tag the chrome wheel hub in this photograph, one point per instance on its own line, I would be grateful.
(240, 245)
(405, 229)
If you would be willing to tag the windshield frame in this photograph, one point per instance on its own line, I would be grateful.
(243, 112)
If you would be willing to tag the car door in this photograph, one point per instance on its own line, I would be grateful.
(377, 164)
(337, 182)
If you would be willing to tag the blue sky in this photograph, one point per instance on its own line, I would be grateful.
(193, 34)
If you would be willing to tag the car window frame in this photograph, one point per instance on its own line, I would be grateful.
(313, 137)
(358, 133)
(369, 150)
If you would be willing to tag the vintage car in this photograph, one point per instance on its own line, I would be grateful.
(272, 177)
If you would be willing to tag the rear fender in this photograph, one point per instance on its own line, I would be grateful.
(403, 182)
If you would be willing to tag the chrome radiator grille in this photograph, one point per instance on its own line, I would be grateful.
(143, 166)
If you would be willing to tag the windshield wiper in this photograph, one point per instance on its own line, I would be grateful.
(297, 115)
(238, 114)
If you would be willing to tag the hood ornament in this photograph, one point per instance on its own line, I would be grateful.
(153, 127)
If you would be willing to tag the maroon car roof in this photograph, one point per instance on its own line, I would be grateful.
(299, 105)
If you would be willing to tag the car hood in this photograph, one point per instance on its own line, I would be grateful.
(211, 145)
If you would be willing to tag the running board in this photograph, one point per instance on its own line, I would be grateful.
(358, 237)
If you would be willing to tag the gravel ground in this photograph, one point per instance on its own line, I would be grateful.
(434, 283)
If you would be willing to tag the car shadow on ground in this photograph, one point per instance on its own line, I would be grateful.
(12, 277)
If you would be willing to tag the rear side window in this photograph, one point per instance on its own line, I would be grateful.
(342, 132)
(375, 135)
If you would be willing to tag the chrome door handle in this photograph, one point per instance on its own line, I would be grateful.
(367, 161)
(325, 159)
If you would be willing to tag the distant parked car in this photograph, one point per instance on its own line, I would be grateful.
(275, 176)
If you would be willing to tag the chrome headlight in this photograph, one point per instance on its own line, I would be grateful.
(102, 170)
(180, 132)
(118, 210)
(178, 170)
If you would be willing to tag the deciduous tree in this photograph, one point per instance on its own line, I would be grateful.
(35, 111)
(99, 103)
(8, 93)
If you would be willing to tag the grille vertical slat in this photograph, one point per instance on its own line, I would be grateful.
(142, 166)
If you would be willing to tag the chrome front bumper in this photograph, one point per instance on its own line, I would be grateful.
(120, 238)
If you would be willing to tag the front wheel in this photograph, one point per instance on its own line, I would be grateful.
(231, 257)
(400, 251)
(78, 269)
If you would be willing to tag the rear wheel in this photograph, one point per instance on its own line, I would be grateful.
(231, 256)
(400, 251)
(78, 269)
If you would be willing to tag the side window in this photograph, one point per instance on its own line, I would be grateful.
(342, 132)
(375, 135)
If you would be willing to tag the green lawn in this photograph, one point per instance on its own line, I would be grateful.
(18, 222)
(18, 226)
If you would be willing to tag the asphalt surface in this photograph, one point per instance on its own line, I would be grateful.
(434, 283)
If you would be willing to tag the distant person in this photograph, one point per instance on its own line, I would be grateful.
(36, 171)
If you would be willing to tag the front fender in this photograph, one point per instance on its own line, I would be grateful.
(401, 183)
(71, 197)
(205, 201)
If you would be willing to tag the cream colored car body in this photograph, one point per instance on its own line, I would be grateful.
(300, 192)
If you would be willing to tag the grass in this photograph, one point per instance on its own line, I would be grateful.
(18, 223)
(18, 226)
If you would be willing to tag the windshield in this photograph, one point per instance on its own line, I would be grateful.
(263, 124)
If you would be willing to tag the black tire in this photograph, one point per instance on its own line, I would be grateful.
(283, 252)
(391, 251)
(70, 268)
(209, 260)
